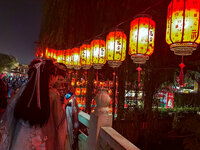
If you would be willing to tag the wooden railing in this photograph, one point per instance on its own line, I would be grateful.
(98, 125)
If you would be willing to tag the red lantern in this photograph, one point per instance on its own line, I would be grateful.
(76, 58)
(142, 36)
(85, 54)
(182, 32)
(115, 48)
(98, 53)
(68, 58)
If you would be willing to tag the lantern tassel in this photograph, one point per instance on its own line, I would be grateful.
(181, 75)
(139, 70)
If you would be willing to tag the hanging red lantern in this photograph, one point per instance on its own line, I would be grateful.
(85, 53)
(115, 48)
(142, 37)
(68, 59)
(76, 58)
(58, 56)
(47, 53)
(182, 32)
(98, 53)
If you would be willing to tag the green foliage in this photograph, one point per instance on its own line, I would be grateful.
(7, 62)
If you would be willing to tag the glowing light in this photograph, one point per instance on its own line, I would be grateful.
(85, 53)
(98, 53)
(182, 32)
(115, 48)
(76, 58)
(142, 36)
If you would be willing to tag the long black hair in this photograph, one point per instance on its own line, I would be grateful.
(33, 114)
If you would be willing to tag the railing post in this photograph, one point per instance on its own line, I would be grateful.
(100, 118)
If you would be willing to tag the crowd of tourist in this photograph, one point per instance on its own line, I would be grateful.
(13, 83)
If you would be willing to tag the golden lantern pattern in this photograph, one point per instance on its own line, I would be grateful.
(47, 53)
(76, 61)
(85, 54)
(68, 59)
(142, 37)
(182, 32)
(63, 56)
(59, 56)
(98, 53)
(115, 48)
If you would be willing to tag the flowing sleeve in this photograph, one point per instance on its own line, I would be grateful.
(59, 118)
(57, 110)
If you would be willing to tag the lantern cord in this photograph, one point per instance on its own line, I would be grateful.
(114, 94)
(139, 70)
(181, 75)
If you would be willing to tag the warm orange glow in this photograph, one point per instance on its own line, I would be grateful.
(142, 37)
(98, 53)
(84, 91)
(78, 91)
(85, 54)
(182, 32)
(73, 82)
(59, 56)
(115, 48)
(68, 59)
(76, 58)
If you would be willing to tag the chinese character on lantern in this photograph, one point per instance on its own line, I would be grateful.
(98, 53)
(182, 32)
(115, 48)
(76, 58)
(68, 59)
(142, 36)
(85, 54)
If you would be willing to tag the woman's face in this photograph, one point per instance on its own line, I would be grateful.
(60, 82)
(60, 85)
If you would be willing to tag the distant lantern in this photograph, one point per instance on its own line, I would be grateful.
(76, 58)
(54, 55)
(115, 48)
(68, 59)
(182, 32)
(64, 56)
(85, 54)
(51, 53)
(59, 56)
(142, 37)
(47, 53)
(98, 53)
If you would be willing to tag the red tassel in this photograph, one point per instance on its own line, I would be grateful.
(181, 75)
(139, 70)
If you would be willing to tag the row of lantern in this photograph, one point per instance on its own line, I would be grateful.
(113, 50)
(182, 34)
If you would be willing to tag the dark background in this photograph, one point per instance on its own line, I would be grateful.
(20, 27)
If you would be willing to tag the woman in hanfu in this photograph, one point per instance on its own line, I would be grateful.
(37, 108)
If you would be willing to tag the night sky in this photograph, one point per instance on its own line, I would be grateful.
(20, 27)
